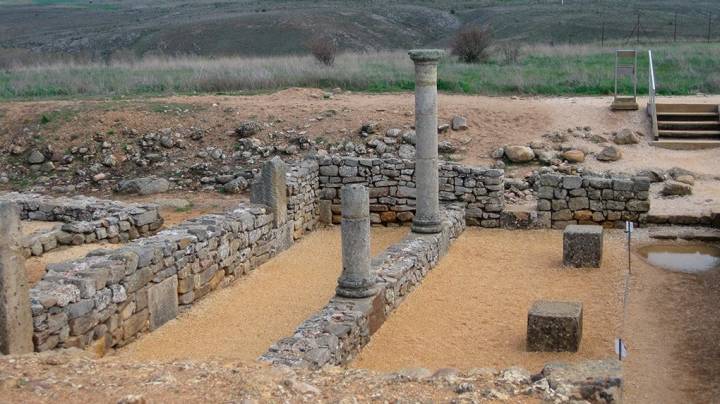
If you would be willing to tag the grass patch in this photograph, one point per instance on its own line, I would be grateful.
(681, 69)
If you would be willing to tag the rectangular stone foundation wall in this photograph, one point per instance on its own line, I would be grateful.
(303, 194)
(337, 333)
(111, 296)
(392, 188)
(86, 220)
(609, 201)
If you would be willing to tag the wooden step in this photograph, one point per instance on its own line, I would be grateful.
(689, 125)
(686, 144)
(688, 133)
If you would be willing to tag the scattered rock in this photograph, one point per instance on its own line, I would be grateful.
(443, 128)
(393, 132)
(36, 157)
(626, 136)
(248, 128)
(685, 179)
(143, 186)
(459, 123)
(235, 186)
(574, 156)
(446, 147)
(369, 128)
(519, 154)
(675, 188)
(610, 153)
(409, 137)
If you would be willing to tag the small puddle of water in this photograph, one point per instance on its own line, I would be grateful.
(683, 258)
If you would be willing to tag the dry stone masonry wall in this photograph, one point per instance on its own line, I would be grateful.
(337, 333)
(111, 296)
(86, 220)
(303, 190)
(610, 201)
(392, 188)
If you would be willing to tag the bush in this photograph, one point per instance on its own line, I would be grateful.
(510, 52)
(324, 49)
(471, 44)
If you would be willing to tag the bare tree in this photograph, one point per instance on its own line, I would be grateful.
(472, 43)
(324, 49)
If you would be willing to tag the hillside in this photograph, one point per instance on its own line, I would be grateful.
(103, 28)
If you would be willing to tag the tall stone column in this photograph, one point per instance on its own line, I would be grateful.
(356, 280)
(16, 327)
(427, 214)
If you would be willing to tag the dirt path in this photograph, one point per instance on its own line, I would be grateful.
(672, 330)
(242, 321)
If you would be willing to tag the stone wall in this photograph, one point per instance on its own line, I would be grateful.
(86, 220)
(392, 188)
(609, 201)
(111, 296)
(303, 191)
(337, 333)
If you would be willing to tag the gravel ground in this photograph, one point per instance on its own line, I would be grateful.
(242, 321)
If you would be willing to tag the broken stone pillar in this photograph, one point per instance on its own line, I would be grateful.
(16, 327)
(554, 326)
(427, 215)
(356, 280)
(583, 246)
(271, 190)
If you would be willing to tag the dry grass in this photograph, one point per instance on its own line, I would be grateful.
(535, 69)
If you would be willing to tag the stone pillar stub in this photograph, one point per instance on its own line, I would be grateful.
(356, 280)
(16, 327)
(271, 190)
(427, 215)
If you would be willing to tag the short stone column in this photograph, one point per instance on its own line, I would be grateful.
(583, 246)
(427, 214)
(554, 326)
(271, 190)
(356, 280)
(16, 326)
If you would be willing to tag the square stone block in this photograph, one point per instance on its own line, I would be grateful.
(163, 302)
(583, 246)
(554, 326)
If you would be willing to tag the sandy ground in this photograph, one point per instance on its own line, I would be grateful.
(705, 197)
(483, 322)
(669, 329)
(242, 321)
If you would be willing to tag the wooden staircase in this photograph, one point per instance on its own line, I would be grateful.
(683, 126)
(687, 126)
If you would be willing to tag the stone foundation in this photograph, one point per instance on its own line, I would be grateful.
(86, 220)
(393, 194)
(593, 200)
(337, 333)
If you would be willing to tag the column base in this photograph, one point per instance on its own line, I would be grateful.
(427, 227)
(355, 289)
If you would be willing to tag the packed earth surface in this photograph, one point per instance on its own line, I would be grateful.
(460, 336)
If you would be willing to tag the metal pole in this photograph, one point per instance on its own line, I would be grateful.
(675, 26)
(602, 40)
(709, 26)
(638, 28)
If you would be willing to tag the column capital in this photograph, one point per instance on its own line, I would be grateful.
(426, 55)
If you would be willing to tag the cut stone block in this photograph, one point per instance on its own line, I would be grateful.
(583, 246)
(163, 302)
(554, 326)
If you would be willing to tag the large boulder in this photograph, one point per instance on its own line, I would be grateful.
(610, 153)
(519, 154)
(626, 136)
(143, 186)
(676, 188)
